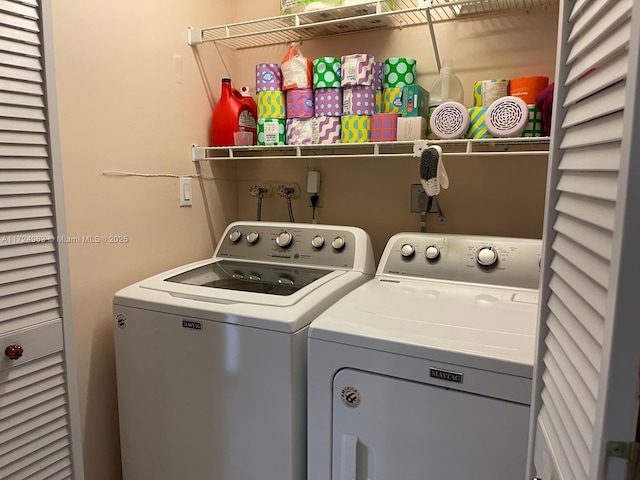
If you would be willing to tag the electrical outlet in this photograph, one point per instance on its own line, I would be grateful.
(418, 198)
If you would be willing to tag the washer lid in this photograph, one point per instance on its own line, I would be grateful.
(282, 280)
(485, 327)
(235, 281)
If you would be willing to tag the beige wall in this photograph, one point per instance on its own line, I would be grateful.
(133, 96)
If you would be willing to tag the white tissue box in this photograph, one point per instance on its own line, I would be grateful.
(412, 128)
(302, 6)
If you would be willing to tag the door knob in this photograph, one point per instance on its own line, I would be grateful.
(14, 352)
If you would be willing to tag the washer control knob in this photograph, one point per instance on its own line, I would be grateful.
(14, 352)
(432, 252)
(487, 256)
(338, 243)
(317, 241)
(284, 280)
(407, 250)
(284, 239)
(235, 236)
(253, 237)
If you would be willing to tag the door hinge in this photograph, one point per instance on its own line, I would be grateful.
(629, 451)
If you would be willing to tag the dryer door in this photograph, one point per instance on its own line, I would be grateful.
(390, 428)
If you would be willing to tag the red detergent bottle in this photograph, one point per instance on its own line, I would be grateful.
(231, 114)
(248, 99)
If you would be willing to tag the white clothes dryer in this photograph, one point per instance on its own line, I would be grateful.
(425, 371)
(211, 356)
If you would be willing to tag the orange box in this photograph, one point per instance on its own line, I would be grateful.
(528, 87)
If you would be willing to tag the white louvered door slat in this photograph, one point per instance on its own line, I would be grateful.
(597, 212)
(598, 131)
(60, 470)
(584, 388)
(575, 241)
(589, 11)
(607, 101)
(605, 24)
(597, 157)
(11, 73)
(38, 430)
(613, 44)
(595, 267)
(589, 184)
(587, 344)
(586, 315)
(599, 79)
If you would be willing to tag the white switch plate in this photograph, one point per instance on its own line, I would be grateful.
(186, 194)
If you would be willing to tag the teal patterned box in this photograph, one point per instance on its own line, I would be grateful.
(415, 101)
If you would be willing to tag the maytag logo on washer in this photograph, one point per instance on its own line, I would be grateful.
(350, 397)
(121, 321)
(445, 375)
(191, 325)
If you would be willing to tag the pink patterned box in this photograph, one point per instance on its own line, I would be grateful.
(384, 127)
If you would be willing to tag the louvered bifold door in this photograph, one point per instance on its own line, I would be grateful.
(594, 108)
(34, 419)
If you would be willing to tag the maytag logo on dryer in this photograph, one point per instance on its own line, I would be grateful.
(192, 325)
(445, 375)
(350, 396)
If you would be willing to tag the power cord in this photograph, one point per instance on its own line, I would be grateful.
(314, 203)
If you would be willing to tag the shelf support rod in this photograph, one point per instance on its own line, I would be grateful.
(434, 42)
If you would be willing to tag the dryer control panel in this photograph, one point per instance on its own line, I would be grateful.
(297, 244)
(513, 262)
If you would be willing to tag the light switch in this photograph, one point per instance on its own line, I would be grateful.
(185, 192)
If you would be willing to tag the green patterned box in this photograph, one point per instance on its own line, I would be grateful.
(399, 72)
(271, 131)
(534, 126)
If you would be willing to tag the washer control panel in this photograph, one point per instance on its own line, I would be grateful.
(476, 259)
(306, 244)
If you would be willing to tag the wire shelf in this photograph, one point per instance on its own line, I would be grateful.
(521, 146)
(354, 18)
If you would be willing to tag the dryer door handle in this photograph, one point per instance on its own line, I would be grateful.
(349, 464)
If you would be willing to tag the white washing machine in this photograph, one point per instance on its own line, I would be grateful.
(425, 371)
(211, 357)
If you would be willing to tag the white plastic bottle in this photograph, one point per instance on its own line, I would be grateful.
(446, 88)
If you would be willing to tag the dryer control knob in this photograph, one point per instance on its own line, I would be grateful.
(235, 236)
(284, 239)
(432, 252)
(317, 241)
(253, 237)
(407, 250)
(487, 256)
(14, 352)
(338, 243)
